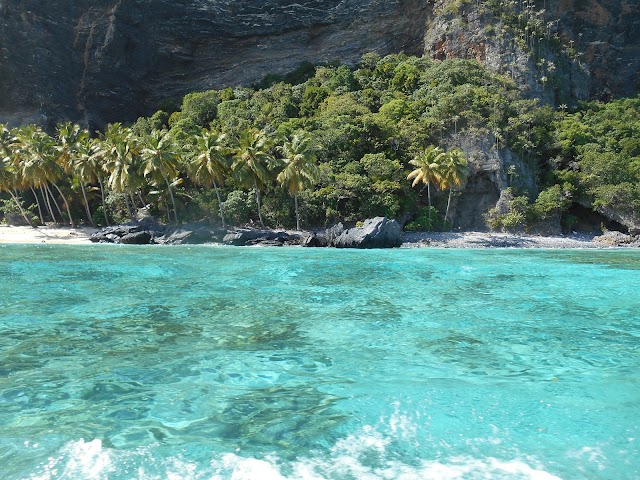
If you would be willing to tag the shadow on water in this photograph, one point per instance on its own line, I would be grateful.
(294, 419)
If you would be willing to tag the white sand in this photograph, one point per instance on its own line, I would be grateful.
(66, 235)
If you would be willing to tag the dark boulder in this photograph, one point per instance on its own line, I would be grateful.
(193, 234)
(250, 237)
(137, 238)
(133, 233)
(378, 232)
(325, 238)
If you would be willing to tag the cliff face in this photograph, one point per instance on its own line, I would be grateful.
(107, 60)
(583, 49)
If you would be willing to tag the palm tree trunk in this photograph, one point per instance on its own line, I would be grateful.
(255, 185)
(55, 202)
(295, 200)
(66, 204)
(128, 203)
(35, 195)
(48, 203)
(447, 212)
(19, 205)
(133, 201)
(215, 186)
(104, 203)
(429, 197)
(86, 204)
(173, 201)
(166, 204)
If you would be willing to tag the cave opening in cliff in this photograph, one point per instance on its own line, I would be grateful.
(582, 219)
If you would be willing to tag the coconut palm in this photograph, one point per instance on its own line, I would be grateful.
(117, 153)
(9, 180)
(253, 161)
(427, 170)
(300, 167)
(453, 170)
(74, 151)
(10, 151)
(161, 161)
(210, 166)
(39, 167)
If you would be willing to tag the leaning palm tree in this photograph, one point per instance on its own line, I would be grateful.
(8, 182)
(39, 166)
(253, 161)
(453, 170)
(427, 165)
(300, 167)
(210, 166)
(9, 177)
(161, 161)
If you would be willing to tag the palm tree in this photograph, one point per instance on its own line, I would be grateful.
(161, 161)
(39, 168)
(95, 163)
(253, 160)
(300, 168)
(453, 170)
(117, 153)
(8, 175)
(427, 165)
(9, 180)
(74, 150)
(210, 165)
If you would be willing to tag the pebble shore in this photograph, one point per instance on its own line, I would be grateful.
(505, 240)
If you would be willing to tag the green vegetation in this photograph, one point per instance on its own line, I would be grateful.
(342, 142)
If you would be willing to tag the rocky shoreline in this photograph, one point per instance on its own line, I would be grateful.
(511, 240)
(378, 232)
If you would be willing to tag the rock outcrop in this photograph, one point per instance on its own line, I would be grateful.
(378, 232)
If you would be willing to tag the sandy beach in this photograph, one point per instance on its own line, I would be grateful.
(54, 235)
(81, 235)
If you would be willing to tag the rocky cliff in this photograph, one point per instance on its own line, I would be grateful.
(106, 60)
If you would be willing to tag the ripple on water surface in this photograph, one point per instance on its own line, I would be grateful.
(200, 362)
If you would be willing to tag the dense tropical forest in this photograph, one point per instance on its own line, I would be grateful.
(330, 143)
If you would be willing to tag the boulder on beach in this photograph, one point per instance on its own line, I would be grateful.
(378, 232)
(250, 237)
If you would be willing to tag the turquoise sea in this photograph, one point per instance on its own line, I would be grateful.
(208, 362)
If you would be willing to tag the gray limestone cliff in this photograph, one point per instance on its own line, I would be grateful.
(114, 60)
(106, 60)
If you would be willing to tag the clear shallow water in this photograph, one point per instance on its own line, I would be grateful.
(255, 363)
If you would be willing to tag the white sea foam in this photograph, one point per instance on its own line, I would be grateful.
(365, 455)
(86, 460)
